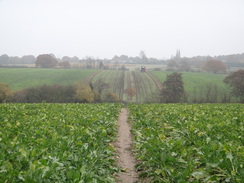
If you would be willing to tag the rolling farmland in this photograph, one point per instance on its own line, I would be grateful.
(119, 81)
(145, 85)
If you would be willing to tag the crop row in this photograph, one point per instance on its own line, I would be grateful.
(57, 142)
(189, 143)
(119, 81)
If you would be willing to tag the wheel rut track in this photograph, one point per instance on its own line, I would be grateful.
(157, 82)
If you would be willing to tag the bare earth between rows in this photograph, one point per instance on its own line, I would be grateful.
(125, 159)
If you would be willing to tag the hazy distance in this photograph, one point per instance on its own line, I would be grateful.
(115, 27)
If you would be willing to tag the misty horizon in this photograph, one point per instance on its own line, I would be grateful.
(108, 28)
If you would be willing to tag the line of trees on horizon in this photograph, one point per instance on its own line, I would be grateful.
(233, 60)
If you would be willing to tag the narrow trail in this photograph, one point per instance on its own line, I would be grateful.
(123, 145)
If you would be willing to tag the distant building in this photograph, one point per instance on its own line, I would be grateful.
(143, 69)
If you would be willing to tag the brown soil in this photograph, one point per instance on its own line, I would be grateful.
(125, 159)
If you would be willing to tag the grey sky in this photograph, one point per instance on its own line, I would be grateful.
(104, 28)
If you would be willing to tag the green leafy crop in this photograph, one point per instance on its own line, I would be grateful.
(57, 142)
(189, 143)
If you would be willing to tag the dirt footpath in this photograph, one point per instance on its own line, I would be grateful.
(123, 145)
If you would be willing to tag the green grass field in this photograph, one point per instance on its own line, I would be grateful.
(20, 78)
(196, 83)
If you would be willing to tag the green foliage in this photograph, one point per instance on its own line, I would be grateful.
(5, 92)
(45, 93)
(57, 143)
(173, 89)
(236, 82)
(20, 78)
(98, 88)
(189, 143)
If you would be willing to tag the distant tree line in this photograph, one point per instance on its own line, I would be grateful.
(184, 63)
(176, 63)
(31, 59)
(216, 64)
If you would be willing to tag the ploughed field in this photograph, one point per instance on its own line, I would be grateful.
(189, 143)
(144, 87)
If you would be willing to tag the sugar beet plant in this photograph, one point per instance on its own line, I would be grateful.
(189, 143)
(57, 142)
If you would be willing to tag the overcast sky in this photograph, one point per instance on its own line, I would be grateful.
(104, 28)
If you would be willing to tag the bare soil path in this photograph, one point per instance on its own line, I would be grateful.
(123, 146)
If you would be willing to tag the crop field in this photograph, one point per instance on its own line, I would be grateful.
(57, 142)
(20, 78)
(196, 83)
(119, 81)
(189, 143)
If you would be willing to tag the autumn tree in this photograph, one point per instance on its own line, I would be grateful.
(236, 81)
(112, 97)
(214, 66)
(131, 92)
(5, 92)
(46, 61)
(84, 93)
(173, 89)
